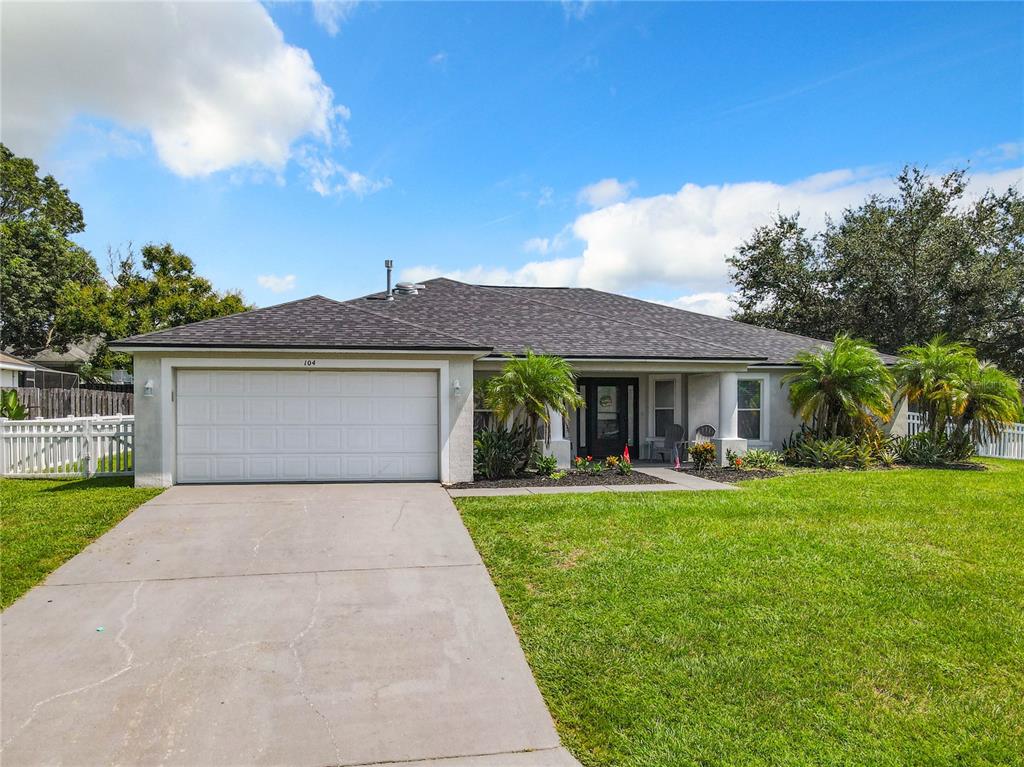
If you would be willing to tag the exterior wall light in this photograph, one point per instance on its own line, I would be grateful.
(147, 390)
(456, 386)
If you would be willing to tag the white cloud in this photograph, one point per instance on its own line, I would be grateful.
(605, 192)
(328, 177)
(331, 14)
(545, 197)
(577, 10)
(715, 303)
(276, 284)
(439, 59)
(677, 244)
(214, 85)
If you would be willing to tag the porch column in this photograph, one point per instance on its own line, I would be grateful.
(727, 404)
(558, 445)
(728, 415)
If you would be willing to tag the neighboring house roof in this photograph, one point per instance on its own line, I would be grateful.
(446, 314)
(10, 362)
(74, 357)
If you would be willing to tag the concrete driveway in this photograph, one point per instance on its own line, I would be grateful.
(274, 624)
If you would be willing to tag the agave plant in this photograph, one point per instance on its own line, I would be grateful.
(928, 374)
(838, 388)
(531, 386)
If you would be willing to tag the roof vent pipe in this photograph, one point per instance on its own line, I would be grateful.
(389, 264)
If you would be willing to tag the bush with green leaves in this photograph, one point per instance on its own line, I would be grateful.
(927, 449)
(804, 449)
(758, 458)
(10, 407)
(703, 455)
(502, 453)
(545, 465)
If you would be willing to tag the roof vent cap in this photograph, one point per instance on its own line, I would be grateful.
(408, 288)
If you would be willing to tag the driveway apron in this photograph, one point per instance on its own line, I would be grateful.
(273, 624)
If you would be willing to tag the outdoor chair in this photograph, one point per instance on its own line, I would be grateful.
(673, 437)
(703, 433)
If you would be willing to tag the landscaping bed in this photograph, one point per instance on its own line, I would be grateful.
(571, 479)
(729, 474)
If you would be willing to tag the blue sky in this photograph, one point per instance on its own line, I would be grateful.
(624, 146)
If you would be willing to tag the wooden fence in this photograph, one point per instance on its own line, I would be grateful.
(1009, 443)
(67, 447)
(61, 403)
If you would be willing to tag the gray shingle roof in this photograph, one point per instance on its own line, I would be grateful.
(569, 322)
(314, 322)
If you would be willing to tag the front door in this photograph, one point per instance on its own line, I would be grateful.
(611, 417)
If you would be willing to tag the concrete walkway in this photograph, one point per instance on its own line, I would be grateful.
(273, 625)
(678, 481)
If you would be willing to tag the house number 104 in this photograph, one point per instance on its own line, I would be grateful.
(309, 363)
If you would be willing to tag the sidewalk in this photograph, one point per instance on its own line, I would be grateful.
(678, 481)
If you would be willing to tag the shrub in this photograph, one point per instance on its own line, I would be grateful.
(806, 450)
(501, 453)
(703, 455)
(588, 465)
(10, 407)
(546, 465)
(758, 458)
(927, 449)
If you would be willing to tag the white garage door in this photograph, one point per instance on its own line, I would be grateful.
(295, 426)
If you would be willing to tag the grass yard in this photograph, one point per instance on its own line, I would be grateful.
(846, 618)
(43, 523)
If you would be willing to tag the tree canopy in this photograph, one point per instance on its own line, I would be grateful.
(37, 258)
(897, 270)
(163, 293)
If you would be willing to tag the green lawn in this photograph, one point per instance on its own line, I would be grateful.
(43, 523)
(848, 618)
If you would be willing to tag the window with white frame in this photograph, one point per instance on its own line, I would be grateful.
(750, 409)
(664, 406)
(483, 416)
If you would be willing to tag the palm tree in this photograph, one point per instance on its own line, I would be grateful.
(928, 374)
(840, 387)
(985, 399)
(531, 385)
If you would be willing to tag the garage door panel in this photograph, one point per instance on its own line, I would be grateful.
(193, 411)
(327, 410)
(224, 382)
(357, 411)
(306, 425)
(259, 438)
(357, 384)
(195, 439)
(227, 411)
(262, 468)
(260, 383)
(229, 440)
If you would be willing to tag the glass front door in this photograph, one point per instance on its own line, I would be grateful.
(609, 418)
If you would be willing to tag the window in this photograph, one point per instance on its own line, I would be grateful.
(664, 406)
(749, 410)
(483, 418)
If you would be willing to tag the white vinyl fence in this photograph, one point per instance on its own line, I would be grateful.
(67, 447)
(1009, 443)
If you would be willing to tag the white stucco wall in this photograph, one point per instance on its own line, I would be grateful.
(460, 436)
(702, 401)
(148, 448)
(8, 378)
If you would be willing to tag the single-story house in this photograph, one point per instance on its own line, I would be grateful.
(381, 387)
(18, 372)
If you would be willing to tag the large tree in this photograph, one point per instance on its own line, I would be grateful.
(38, 260)
(164, 293)
(896, 270)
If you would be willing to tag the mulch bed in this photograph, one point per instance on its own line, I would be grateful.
(729, 474)
(572, 479)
